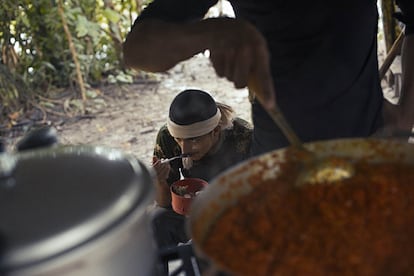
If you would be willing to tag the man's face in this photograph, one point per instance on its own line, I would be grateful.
(199, 146)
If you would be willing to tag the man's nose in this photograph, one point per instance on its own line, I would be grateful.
(187, 146)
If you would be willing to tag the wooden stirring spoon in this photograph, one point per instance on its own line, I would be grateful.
(315, 169)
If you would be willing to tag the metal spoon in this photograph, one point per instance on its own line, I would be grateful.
(175, 157)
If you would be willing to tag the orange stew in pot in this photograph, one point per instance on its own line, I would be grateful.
(363, 225)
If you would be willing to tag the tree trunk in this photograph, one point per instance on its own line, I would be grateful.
(74, 53)
(389, 23)
(115, 33)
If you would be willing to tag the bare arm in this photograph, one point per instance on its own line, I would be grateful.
(237, 50)
(163, 194)
(156, 46)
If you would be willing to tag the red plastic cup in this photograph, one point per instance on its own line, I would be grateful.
(183, 192)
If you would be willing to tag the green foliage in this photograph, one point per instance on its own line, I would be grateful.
(35, 49)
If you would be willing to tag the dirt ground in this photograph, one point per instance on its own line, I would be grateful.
(135, 112)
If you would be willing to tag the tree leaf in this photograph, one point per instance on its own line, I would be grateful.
(47, 104)
(81, 26)
(111, 15)
(92, 94)
(124, 78)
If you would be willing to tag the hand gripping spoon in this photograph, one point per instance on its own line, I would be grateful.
(175, 157)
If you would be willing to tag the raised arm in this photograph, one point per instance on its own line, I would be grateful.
(237, 50)
(155, 45)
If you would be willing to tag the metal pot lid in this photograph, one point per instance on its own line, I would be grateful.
(59, 198)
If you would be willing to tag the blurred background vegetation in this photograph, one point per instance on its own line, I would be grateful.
(55, 53)
(60, 49)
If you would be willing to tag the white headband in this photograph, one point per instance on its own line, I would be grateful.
(195, 129)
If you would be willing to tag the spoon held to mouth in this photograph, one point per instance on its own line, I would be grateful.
(175, 157)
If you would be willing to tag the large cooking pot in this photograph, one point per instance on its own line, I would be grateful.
(75, 210)
(229, 187)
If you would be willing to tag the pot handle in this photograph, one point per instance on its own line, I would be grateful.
(38, 138)
(41, 137)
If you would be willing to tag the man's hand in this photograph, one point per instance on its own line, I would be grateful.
(239, 53)
(162, 170)
(163, 195)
